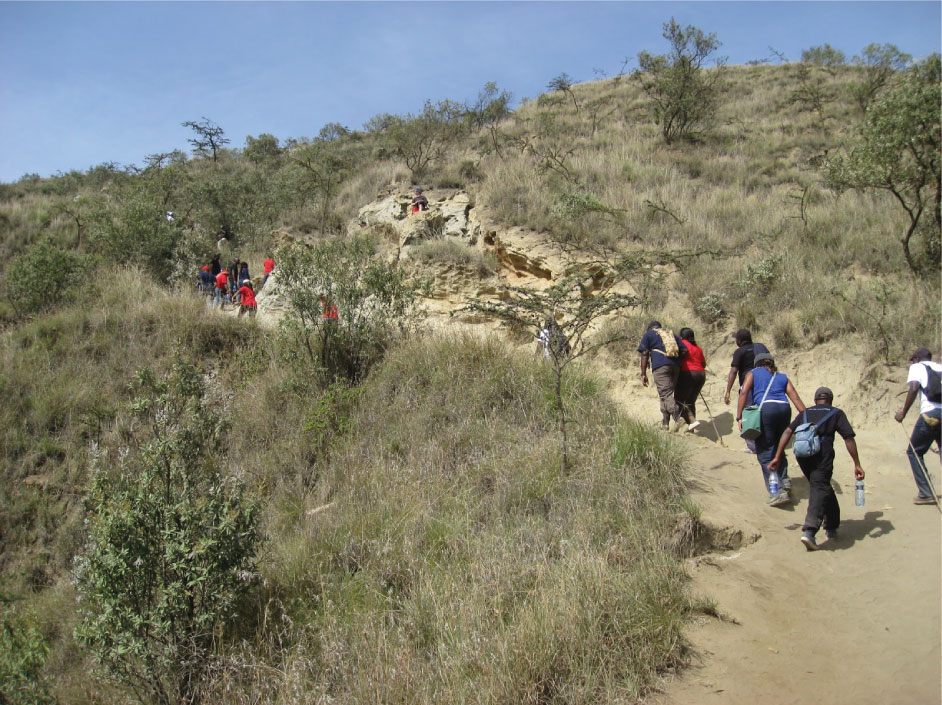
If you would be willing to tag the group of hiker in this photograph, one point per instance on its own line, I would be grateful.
(231, 285)
(764, 417)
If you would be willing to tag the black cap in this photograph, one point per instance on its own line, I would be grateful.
(762, 357)
(920, 354)
(823, 393)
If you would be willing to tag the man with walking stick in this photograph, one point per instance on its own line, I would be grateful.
(924, 380)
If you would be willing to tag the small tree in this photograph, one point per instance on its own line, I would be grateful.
(372, 298)
(210, 137)
(43, 278)
(685, 96)
(563, 83)
(570, 310)
(322, 167)
(878, 63)
(899, 151)
(171, 544)
(421, 140)
(823, 55)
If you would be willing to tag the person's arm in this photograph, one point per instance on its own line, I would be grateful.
(730, 378)
(780, 451)
(743, 396)
(644, 368)
(910, 398)
(792, 394)
(851, 446)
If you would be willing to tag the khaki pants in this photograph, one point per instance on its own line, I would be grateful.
(665, 380)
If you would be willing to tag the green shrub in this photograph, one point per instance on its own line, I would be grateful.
(23, 652)
(45, 277)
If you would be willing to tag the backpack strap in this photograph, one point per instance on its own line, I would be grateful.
(823, 418)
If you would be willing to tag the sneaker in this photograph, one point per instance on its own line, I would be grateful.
(807, 538)
(780, 499)
(693, 426)
(923, 500)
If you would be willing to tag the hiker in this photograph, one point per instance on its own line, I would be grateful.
(690, 379)
(771, 390)
(268, 265)
(205, 283)
(214, 266)
(823, 509)
(222, 289)
(330, 310)
(419, 202)
(665, 368)
(551, 340)
(923, 379)
(244, 273)
(233, 279)
(743, 361)
(247, 299)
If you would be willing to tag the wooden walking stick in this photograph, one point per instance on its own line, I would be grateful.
(712, 421)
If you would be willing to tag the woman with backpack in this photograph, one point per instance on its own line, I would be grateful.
(770, 390)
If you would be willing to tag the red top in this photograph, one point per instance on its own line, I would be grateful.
(222, 279)
(269, 265)
(330, 310)
(693, 361)
(248, 296)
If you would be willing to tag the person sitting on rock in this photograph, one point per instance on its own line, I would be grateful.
(419, 202)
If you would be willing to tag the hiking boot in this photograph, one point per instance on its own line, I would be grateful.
(807, 538)
(780, 499)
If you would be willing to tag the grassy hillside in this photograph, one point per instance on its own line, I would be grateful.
(420, 543)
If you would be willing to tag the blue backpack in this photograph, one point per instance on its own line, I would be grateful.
(807, 440)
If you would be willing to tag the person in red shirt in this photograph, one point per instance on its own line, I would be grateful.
(691, 378)
(247, 299)
(268, 264)
(330, 310)
(222, 288)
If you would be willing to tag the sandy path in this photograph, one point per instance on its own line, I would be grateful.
(856, 622)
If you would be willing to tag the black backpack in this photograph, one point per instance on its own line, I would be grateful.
(933, 390)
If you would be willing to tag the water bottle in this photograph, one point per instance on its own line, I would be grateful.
(773, 484)
(859, 499)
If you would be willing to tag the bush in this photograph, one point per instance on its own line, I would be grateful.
(43, 278)
(23, 653)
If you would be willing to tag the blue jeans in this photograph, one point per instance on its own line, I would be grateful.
(775, 419)
(922, 439)
(218, 298)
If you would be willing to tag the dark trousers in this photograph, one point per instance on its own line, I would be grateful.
(689, 384)
(924, 435)
(775, 419)
(822, 502)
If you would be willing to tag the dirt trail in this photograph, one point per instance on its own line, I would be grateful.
(856, 622)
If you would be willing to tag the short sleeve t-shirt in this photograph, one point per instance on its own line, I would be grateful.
(919, 373)
(221, 279)
(248, 296)
(651, 342)
(694, 360)
(837, 423)
(268, 264)
(744, 359)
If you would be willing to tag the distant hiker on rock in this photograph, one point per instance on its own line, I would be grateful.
(667, 350)
(247, 302)
(823, 509)
(770, 390)
(205, 282)
(214, 266)
(222, 288)
(690, 379)
(419, 202)
(923, 379)
(743, 361)
(268, 266)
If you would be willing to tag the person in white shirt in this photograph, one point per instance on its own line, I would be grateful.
(923, 379)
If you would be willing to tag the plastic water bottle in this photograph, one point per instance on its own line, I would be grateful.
(773, 483)
(859, 499)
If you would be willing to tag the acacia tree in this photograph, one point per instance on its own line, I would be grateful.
(878, 63)
(210, 137)
(171, 544)
(569, 311)
(898, 151)
(685, 96)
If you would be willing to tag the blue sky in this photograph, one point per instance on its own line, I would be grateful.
(83, 83)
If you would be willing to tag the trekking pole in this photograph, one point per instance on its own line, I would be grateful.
(925, 470)
(712, 421)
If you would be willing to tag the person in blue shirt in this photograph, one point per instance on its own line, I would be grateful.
(771, 390)
(664, 350)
